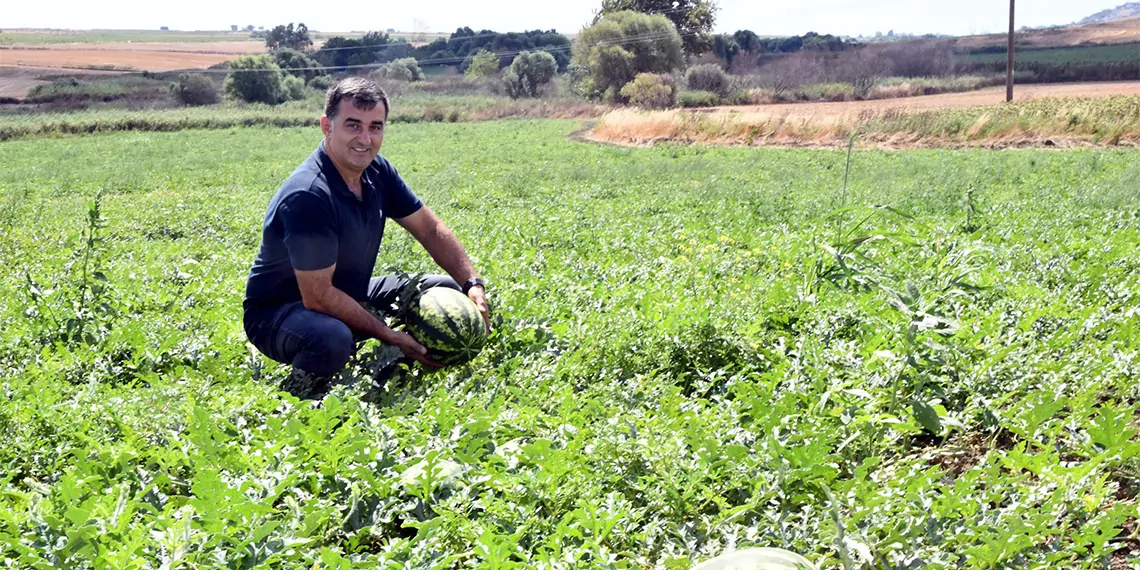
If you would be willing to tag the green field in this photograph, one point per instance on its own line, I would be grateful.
(695, 349)
(1117, 53)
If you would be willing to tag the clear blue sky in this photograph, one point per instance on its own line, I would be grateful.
(767, 17)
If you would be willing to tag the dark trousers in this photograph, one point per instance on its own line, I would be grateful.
(317, 343)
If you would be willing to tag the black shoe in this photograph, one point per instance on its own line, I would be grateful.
(306, 385)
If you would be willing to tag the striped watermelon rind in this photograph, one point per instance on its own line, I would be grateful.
(757, 559)
(448, 324)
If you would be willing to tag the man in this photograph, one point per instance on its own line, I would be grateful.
(310, 293)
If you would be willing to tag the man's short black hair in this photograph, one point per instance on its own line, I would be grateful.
(364, 94)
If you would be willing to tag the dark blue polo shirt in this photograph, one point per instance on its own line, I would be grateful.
(314, 221)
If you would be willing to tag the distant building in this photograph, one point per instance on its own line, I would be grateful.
(165, 29)
(233, 27)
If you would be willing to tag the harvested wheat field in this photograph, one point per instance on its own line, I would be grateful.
(1118, 32)
(1049, 115)
(122, 56)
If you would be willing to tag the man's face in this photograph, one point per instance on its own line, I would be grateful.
(354, 137)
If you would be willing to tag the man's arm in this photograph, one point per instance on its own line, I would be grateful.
(319, 294)
(445, 249)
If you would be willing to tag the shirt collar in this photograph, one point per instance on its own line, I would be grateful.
(336, 181)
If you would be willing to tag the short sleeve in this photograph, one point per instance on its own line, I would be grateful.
(310, 231)
(398, 199)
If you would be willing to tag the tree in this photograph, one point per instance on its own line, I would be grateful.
(287, 37)
(863, 69)
(465, 43)
(613, 51)
(483, 64)
(748, 41)
(726, 48)
(692, 18)
(254, 79)
(528, 73)
(296, 63)
(374, 47)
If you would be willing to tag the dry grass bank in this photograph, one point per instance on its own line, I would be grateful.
(1109, 120)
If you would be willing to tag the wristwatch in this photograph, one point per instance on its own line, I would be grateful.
(474, 282)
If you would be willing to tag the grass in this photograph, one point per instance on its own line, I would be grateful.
(1105, 121)
(694, 351)
(100, 89)
(413, 107)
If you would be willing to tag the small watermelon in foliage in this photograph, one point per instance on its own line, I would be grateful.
(448, 324)
(758, 559)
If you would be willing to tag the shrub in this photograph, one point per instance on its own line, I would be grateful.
(194, 89)
(321, 82)
(707, 77)
(404, 69)
(292, 88)
(254, 79)
(651, 91)
(738, 97)
(483, 64)
(698, 99)
(528, 73)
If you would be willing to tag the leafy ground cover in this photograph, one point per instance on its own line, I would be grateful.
(932, 366)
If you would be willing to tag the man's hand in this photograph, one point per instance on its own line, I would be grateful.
(409, 345)
(479, 297)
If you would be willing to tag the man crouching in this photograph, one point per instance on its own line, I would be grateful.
(310, 294)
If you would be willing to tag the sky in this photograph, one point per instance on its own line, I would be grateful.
(765, 17)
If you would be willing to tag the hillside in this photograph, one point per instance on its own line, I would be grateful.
(1117, 32)
(1122, 12)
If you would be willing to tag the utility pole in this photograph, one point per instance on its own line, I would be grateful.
(1009, 67)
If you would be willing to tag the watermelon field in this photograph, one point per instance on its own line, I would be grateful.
(897, 360)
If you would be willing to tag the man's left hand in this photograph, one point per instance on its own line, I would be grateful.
(479, 297)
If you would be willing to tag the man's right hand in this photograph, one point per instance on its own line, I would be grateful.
(409, 345)
(319, 294)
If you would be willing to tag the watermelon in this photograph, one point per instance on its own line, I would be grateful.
(757, 559)
(448, 324)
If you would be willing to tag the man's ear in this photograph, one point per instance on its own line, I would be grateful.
(326, 125)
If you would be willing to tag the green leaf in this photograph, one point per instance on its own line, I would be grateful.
(926, 416)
